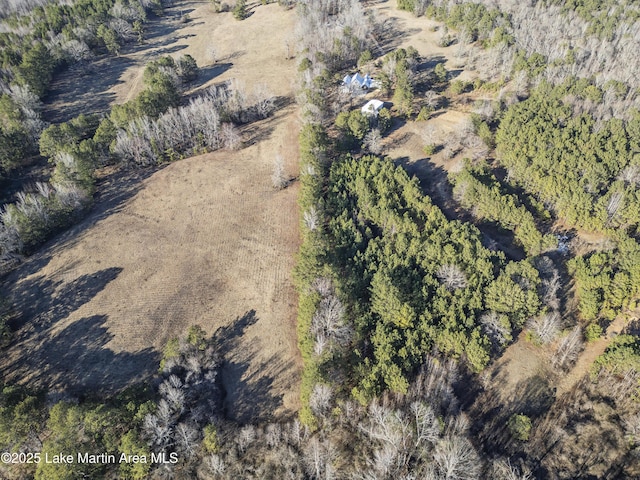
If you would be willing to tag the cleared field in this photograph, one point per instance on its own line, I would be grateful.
(253, 51)
(424, 34)
(206, 241)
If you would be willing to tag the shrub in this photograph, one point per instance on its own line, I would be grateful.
(424, 113)
(458, 86)
(365, 57)
(384, 120)
(593, 332)
(304, 65)
(520, 427)
(240, 10)
(440, 72)
(210, 440)
(430, 149)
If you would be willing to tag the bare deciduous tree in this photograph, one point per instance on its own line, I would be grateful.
(456, 459)
(320, 400)
(278, 178)
(123, 29)
(551, 286)
(504, 470)
(569, 348)
(328, 321)
(630, 175)
(452, 277)
(215, 464)
(246, 437)
(318, 459)
(426, 423)
(264, 102)
(187, 439)
(323, 286)
(496, 327)
(158, 432)
(310, 218)
(432, 99)
(546, 327)
(230, 136)
(373, 141)
(273, 435)
(76, 51)
(632, 429)
(614, 204)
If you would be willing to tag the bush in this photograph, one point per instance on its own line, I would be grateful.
(365, 57)
(430, 149)
(304, 65)
(440, 72)
(458, 86)
(520, 427)
(424, 113)
(210, 441)
(240, 10)
(593, 332)
(384, 120)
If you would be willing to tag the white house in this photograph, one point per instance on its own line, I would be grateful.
(372, 107)
(358, 81)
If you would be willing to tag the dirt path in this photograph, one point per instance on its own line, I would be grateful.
(589, 355)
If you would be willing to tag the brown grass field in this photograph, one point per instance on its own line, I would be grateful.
(205, 240)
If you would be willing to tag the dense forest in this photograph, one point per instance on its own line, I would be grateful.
(406, 305)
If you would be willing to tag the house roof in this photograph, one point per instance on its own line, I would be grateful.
(358, 79)
(372, 106)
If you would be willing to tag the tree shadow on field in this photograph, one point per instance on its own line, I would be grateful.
(79, 90)
(434, 182)
(257, 131)
(76, 361)
(86, 90)
(430, 63)
(392, 34)
(42, 301)
(490, 409)
(113, 191)
(205, 75)
(248, 382)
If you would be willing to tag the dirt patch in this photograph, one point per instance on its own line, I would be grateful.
(519, 382)
(423, 34)
(205, 240)
(589, 355)
(520, 362)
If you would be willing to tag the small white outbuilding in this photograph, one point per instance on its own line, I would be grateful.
(372, 107)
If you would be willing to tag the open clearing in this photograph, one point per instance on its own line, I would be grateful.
(205, 240)
(252, 51)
